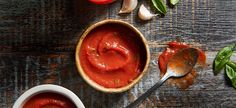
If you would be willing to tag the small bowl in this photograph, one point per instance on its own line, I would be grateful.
(47, 88)
(93, 83)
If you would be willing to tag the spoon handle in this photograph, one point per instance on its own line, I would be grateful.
(148, 92)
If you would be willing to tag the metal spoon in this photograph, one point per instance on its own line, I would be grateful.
(178, 66)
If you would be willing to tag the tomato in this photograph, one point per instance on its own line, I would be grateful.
(101, 1)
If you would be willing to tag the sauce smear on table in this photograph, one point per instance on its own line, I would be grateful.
(112, 55)
(49, 100)
(173, 48)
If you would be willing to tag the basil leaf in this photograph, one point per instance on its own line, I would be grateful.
(159, 5)
(232, 64)
(231, 73)
(174, 2)
(234, 82)
(223, 56)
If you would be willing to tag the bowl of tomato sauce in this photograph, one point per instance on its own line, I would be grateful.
(112, 56)
(48, 96)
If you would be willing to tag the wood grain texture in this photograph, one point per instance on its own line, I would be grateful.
(38, 39)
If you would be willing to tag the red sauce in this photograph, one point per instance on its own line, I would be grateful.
(49, 100)
(174, 47)
(112, 55)
(101, 1)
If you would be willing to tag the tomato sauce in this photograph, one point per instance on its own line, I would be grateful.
(101, 1)
(112, 55)
(173, 48)
(49, 100)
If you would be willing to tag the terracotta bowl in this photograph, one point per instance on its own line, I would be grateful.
(93, 83)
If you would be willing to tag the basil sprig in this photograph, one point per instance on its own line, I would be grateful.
(230, 69)
(223, 56)
(174, 2)
(159, 5)
(223, 60)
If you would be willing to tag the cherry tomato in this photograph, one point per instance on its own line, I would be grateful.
(101, 1)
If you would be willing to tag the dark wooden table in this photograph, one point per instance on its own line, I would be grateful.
(38, 39)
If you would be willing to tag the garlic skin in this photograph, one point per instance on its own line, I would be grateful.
(128, 6)
(144, 13)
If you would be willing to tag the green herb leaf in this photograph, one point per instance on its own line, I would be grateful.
(159, 5)
(234, 82)
(223, 56)
(231, 72)
(174, 2)
(232, 64)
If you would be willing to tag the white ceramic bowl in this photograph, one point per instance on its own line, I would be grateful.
(47, 88)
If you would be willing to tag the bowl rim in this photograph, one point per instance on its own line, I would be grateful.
(93, 83)
(19, 103)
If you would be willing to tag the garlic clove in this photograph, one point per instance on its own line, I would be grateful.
(144, 13)
(128, 6)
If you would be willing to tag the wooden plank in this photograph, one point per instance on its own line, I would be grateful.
(38, 39)
(21, 71)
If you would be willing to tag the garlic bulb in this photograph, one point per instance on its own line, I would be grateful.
(144, 13)
(128, 6)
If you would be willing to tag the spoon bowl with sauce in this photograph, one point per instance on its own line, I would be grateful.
(178, 66)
